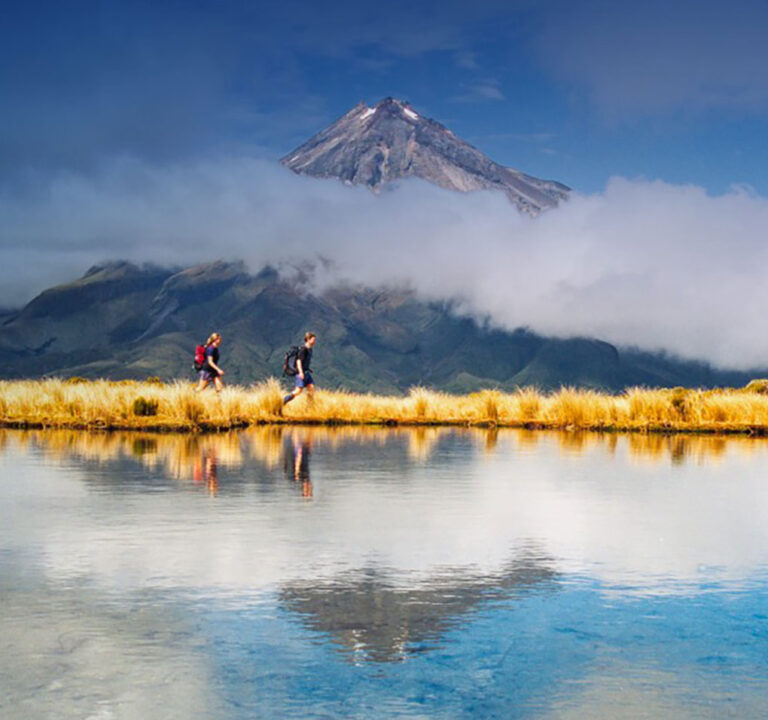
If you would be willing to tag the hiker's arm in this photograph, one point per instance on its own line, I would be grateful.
(215, 366)
(300, 368)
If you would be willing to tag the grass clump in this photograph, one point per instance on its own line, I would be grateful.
(678, 399)
(176, 406)
(420, 398)
(759, 386)
(491, 400)
(145, 408)
(267, 402)
(528, 404)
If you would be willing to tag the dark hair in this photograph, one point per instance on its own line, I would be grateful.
(309, 336)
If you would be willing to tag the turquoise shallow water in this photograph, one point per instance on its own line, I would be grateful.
(360, 573)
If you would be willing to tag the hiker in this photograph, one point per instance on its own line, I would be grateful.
(211, 372)
(303, 369)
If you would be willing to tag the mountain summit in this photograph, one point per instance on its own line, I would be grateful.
(376, 145)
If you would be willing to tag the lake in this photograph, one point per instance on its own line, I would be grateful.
(431, 572)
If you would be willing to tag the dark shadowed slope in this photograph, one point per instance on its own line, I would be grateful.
(124, 321)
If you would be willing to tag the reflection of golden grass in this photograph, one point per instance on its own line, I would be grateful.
(176, 454)
(575, 443)
(422, 441)
(491, 440)
(680, 449)
(527, 440)
(104, 404)
(265, 444)
(183, 456)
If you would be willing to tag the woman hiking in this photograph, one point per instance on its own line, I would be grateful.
(211, 372)
(304, 374)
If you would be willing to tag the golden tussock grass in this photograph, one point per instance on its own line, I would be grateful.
(102, 404)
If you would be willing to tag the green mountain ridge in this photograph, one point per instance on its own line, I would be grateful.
(123, 321)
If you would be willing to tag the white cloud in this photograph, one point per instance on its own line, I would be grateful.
(481, 91)
(466, 60)
(646, 263)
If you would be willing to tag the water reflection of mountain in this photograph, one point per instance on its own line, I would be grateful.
(371, 617)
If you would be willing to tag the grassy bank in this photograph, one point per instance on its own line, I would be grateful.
(155, 406)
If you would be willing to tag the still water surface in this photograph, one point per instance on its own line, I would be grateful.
(371, 573)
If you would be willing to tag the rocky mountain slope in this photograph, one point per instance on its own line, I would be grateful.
(124, 321)
(374, 146)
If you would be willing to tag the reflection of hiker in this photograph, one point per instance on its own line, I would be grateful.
(211, 372)
(206, 469)
(211, 474)
(297, 464)
(303, 369)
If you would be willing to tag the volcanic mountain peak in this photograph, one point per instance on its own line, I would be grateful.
(376, 145)
(393, 107)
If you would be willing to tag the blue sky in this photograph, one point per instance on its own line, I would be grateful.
(149, 131)
(576, 92)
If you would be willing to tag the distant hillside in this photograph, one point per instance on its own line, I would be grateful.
(374, 146)
(123, 321)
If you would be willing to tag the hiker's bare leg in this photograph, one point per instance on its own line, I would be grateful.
(293, 395)
(218, 383)
(201, 385)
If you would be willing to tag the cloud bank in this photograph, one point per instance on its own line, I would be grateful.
(642, 263)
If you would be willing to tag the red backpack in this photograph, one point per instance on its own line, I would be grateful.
(199, 357)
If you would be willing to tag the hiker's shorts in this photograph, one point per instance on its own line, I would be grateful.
(306, 381)
(208, 375)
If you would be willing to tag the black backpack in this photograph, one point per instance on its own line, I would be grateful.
(289, 364)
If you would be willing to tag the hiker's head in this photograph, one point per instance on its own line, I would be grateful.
(310, 339)
(214, 339)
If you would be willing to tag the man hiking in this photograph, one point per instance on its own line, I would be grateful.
(211, 372)
(304, 374)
